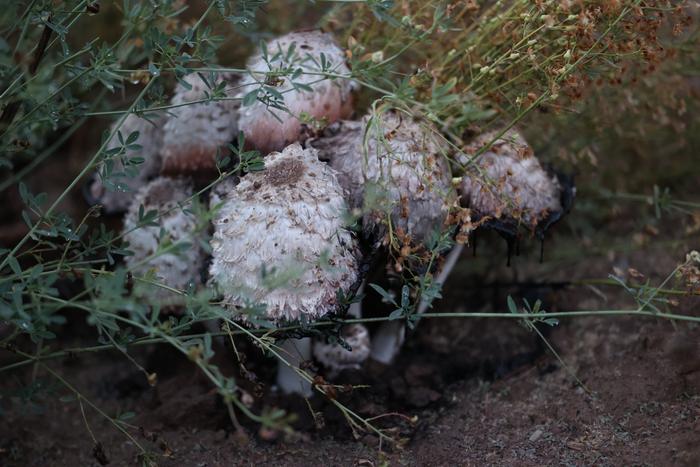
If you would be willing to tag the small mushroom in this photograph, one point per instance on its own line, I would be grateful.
(507, 188)
(177, 269)
(390, 163)
(116, 195)
(280, 241)
(338, 357)
(307, 96)
(195, 133)
(508, 182)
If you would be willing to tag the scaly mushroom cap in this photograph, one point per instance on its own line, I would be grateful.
(507, 181)
(194, 133)
(270, 129)
(340, 144)
(336, 357)
(280, 238)
(178, 269)
(150, 139)
(391, 162)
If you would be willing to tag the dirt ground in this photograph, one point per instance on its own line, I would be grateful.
(463, 392)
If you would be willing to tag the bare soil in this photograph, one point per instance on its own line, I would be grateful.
(463, 392)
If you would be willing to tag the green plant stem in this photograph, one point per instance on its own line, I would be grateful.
(75, 181)
(647, 199)
(80, 396)
(65, 135)
(318, 324)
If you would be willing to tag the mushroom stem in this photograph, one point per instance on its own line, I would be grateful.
(295, 352)
(387, 342)
(450, 263)
(355, 309)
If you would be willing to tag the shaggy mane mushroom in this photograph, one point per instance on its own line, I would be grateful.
(507, 188)
(177, 269)
(270, 129)
(389, 163)
(194, 133)
(280, 240)
(507, 181)
(338, 358)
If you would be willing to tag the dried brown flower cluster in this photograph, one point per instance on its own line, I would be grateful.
(689, 272)
(510, 56)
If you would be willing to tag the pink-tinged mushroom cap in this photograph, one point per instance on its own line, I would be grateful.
(280, 238)
(195, 133)
(270, 129)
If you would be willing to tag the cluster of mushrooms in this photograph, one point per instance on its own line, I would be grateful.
(281, 236)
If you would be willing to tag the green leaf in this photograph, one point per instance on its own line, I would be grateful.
(396, 314)
(551, 321)
(512, 307)
(405, 295)
(126, 416)
(250, 98)
(132, 137)
(14, 265)
(23, 192)
(385, 295)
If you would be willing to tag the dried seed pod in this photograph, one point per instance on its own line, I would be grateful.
(507, 181)
(390, 163)
(270, 129)
(337, 358)
(175, 269)
(195, 133)
(280, 239)
(125, 182)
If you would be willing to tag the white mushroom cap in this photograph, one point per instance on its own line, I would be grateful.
(507, 181)
(222, 190)
(194, 133)
(341, 146)
(391, 163)
(270, 129)
(150, 139)
(336, 357)
(280, 238)
(177, 269)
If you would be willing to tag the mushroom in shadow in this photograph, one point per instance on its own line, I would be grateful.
(133, 160)
(397, 179)
(163, 233)
(508, 190)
